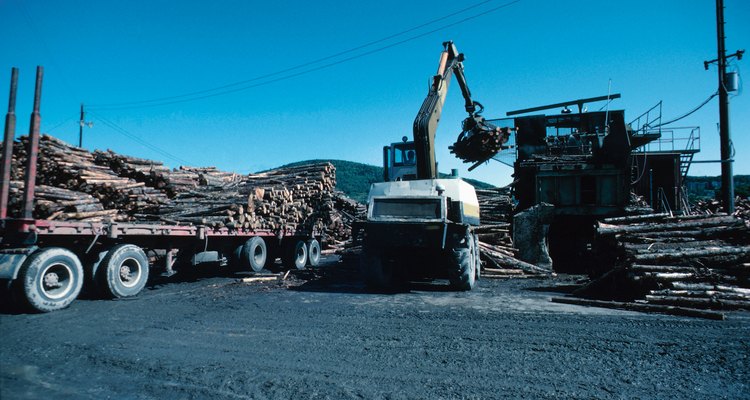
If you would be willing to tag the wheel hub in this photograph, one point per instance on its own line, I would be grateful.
(51, 281)
(125, 273)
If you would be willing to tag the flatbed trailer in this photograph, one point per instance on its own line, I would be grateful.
(44, 264)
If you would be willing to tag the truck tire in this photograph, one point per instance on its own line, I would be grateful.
(123, 272)
(477, 258)
(50, 279)
(237, 264)
(463, 269)
(295, 255)
(313, 253)
(254, 253)
(378, 274)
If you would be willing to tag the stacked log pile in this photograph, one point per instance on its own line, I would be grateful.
(74, 184)
(496, 205)
(495, 242)
(741, 207)
(155, 174)
(67, 167)
(58, 204)
(348, 211)
(284, 198)
(698, 261)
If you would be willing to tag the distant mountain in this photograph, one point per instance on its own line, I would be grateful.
(355, 178)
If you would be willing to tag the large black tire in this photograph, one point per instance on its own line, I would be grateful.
(50, 279)
(313, 253)
(295, 255)
(378, 274)
(236, 263)
(477, 258)
(254, 254)
(464, 265)
(123, 272)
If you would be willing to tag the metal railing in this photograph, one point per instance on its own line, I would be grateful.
(650, 121)
(680, 139)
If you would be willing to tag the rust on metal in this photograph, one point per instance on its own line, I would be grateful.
(10, 133)
(33, 151)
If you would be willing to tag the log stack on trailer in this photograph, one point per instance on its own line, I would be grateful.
(103, 220)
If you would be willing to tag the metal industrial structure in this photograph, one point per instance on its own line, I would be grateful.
(660, 167)
(586, 164)
(46, 263)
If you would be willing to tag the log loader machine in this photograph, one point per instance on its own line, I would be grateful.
(419, 226)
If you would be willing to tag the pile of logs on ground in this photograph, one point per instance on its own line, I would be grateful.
(498, 255)
(348, 211)
(741, 207)
(495, 244)
(496, 205)
(686, 262)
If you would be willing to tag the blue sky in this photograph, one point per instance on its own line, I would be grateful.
(526, 54)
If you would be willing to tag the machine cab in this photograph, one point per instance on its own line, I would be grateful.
(400, 161)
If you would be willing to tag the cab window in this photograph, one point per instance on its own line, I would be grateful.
(404, 154)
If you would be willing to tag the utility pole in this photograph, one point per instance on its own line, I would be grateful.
(81, 124)
(80, 127)
(727, 176)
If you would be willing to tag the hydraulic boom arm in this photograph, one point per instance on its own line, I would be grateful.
(474, 126)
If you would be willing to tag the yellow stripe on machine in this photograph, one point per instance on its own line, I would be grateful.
(471, 210)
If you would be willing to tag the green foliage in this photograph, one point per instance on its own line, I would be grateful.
(709, 187)
(354, 179)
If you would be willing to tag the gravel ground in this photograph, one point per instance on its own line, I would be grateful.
(320, 335)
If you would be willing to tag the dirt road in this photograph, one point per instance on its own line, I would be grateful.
(322, 336)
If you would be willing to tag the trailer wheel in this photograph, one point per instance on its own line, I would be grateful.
(463, 270)
(123, 272)
(313, 253)
(50, 279)
(295, 255)
(255, 253)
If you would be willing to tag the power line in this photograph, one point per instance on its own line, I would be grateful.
(135, 138)
(72, 119)
(43, 44)
(688, 113)
(299, 66)
(243, 85)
